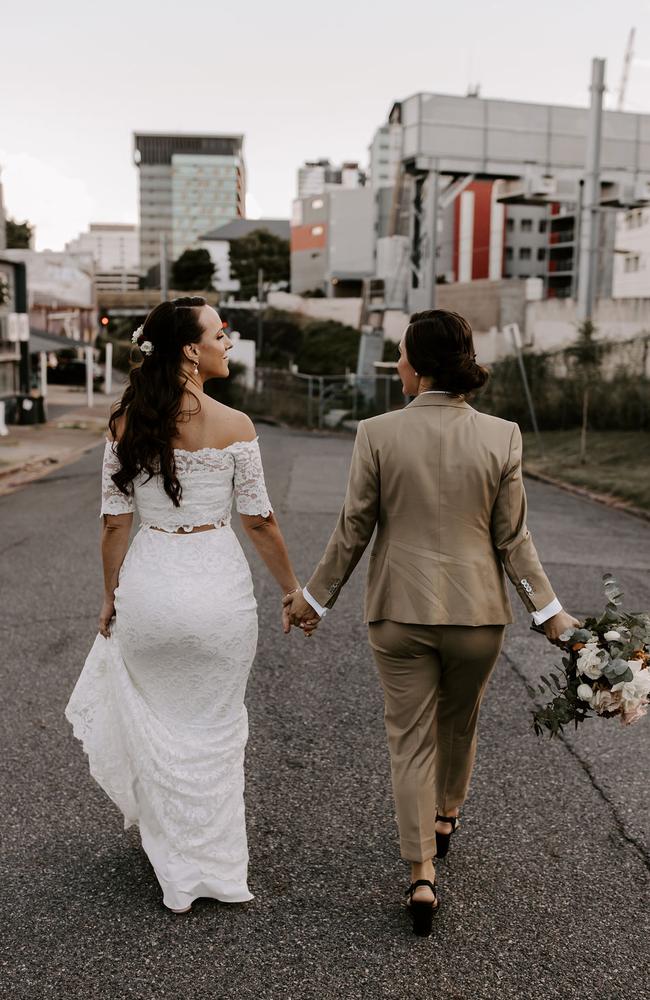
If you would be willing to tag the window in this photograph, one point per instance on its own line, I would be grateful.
(524, 253)
(526, 225)
(542, 225)
(631, 264)
(317, 230)
(508, 253)
(541, 253)
(634, 219)
(510, 225)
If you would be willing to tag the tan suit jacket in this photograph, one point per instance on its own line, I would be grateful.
(442, 484)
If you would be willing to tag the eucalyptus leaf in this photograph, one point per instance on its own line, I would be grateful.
(615, 669)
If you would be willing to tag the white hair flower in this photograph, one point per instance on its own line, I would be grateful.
(135, 336)
(146, 347)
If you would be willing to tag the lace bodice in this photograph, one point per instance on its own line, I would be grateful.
(210, 478)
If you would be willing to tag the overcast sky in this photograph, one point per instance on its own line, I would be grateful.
(300, 80)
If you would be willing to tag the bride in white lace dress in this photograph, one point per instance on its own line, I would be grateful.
(159, 704)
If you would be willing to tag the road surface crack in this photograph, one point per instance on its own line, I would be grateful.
(619, 822)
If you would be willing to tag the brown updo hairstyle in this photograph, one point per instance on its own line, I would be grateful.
(439, 345)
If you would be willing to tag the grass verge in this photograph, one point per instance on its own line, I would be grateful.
(618, 462)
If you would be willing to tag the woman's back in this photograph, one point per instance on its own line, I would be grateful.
(217, 457)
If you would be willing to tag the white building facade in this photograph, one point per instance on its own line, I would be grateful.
(113, 246)
(317, 176)
(333, 242)
(632, 255)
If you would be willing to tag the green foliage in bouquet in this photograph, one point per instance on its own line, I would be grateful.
(605, 669)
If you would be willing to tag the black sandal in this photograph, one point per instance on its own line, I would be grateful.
(442, 839)
(421, 912)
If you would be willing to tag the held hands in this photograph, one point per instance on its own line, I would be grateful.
(106, 615)
(298, 612)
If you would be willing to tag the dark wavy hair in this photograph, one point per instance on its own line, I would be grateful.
(151, 403)
(439, 344)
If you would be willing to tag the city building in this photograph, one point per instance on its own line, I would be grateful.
(189, 184)
(11, 281)
(332, 242)
(385, 152)
(61, 292)
(317, 176)
(489, 188)
(632, 257)
(217, 243)
(115, 249)
(113, 246)
(3, 220)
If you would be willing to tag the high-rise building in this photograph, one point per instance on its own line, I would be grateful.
(317, 176)
(188, 184)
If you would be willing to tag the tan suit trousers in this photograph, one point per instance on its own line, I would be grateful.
(434, 678)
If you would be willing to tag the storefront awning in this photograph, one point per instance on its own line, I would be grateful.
(39, 341)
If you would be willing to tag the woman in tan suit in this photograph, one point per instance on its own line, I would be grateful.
(442, 485)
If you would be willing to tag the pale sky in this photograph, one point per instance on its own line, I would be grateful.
(300, 80)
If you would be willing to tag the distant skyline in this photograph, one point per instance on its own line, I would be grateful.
(300, 83)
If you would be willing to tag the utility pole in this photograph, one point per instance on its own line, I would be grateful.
(260, 311)
(164, 281)
(590, 213)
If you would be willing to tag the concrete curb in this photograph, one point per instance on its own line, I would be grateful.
(604, 499)
(16, 476)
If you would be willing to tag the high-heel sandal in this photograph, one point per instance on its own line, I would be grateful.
(423, 912)
(442, 839)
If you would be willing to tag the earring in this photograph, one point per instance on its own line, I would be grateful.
(196, 367)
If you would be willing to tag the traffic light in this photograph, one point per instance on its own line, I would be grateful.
(104, 321)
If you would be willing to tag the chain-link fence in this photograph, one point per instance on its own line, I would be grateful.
(321, 400)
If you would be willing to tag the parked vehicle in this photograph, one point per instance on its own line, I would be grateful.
(72, 371)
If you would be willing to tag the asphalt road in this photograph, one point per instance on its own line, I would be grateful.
(546, 889)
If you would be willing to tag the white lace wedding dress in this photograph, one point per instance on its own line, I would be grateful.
(159, 706)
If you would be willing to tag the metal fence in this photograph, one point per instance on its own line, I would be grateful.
(322, 400)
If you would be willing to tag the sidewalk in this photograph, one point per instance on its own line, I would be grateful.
(29, 452)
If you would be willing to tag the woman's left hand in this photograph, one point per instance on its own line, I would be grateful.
(106, 615)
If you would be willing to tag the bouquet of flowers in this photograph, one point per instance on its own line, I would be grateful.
(606, 669)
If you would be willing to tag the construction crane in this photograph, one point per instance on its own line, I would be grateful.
(627, 62)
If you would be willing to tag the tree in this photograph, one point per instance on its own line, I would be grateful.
(19, 235)
(586, 353)
(328, 348)
(193, 271)
(259, 249)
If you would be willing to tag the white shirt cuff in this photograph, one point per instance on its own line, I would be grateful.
(314, 603)
(539, 617)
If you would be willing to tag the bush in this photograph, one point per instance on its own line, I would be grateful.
(621, 402)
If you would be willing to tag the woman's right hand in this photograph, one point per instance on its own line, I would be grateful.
(106, 615)
(559, 623)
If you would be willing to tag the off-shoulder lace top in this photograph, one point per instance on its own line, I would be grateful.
(210, 478)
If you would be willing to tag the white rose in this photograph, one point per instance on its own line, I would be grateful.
(612, 636)
(641, 682)
(584, 692)
(591, 662)
(635, 692)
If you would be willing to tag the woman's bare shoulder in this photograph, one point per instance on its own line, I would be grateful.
(228, 425)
